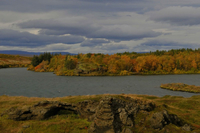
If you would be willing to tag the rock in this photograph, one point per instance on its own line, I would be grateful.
(26, 126)
(125, 118)
(108, 115)
(87, 108)
(175, 120)
(104, 118)
(186, 127)
(113, 114)
(159, 119)
(126, 130)
(147, 107)
(39, 111)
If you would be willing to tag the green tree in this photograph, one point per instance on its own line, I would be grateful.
(35, 60)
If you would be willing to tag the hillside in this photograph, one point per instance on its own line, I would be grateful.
(14, 61)
(29, 54)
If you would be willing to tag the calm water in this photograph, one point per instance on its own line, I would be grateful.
(20, 82)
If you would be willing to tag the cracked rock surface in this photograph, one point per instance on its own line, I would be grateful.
(107, 115)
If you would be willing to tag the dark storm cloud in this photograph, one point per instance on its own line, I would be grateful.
(93, 42)
(75, 5)
(90, 30)
(177, 15)
(16, 38)
(82, 6)
(32, 5)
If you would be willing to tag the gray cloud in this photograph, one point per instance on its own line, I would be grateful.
(77, 26)
(112, 47)
(83, 6)
(123, 33)
(99, 24)
(75, 5)
(167, 44)
(93, 42)
(16, 38)
(90, 30)
(177, 15)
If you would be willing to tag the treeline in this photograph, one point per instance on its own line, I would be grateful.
(158, 62)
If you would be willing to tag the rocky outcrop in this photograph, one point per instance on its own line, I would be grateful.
(112, 115)
(87, 108)
(160, 119)
(39, 111)
(108, 115)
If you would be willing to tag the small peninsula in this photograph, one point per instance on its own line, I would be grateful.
(181, 87)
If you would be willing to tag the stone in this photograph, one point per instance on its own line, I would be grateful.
(104, 118)
(186, 127)
(87, 109)
(26, 126)
(160, 119)
(126, 130)
(39, 111)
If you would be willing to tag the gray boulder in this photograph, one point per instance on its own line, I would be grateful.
(160, 119)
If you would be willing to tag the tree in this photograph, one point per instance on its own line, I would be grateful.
(35, 61)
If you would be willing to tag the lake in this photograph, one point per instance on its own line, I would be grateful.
(20, 82)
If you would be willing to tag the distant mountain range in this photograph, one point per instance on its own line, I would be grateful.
(25, 53)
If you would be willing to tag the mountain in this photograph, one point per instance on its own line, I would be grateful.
(25, 53)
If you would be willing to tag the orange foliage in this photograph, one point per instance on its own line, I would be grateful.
(170, 62)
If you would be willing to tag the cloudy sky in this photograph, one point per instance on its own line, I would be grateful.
(99, 26)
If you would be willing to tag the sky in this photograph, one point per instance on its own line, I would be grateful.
(99, 26)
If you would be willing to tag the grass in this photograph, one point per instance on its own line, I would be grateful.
(184, 108)
(181, 87)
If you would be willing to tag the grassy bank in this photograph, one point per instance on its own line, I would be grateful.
(7, 61)
(185, 108)
(181, 87)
